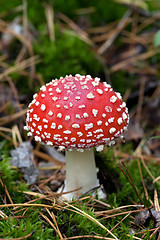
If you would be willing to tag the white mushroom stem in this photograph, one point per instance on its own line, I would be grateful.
(81, 173)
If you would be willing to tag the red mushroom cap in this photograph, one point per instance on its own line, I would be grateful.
(77, 112)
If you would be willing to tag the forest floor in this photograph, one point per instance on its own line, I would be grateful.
(123, 52)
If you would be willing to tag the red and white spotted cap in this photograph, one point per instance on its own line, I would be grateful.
(77, 112)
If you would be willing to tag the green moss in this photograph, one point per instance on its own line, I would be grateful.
(30, 224)
(10, 176)
(121, 82)
(127, 147)
(8, 5)
(71, 223)
(7, 173)
(107, 11)
(67, 55)
(74, 224)
(104, 11)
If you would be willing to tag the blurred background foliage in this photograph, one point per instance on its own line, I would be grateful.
(68, 53)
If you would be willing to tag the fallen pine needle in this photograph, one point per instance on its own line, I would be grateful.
(87, 236)
(120, 221)
(25, 205)
(134, 237)
(117, 209)
(21, 238)
(54, 220)
(47, 219)
(156, 201)
(10, 118)
(91, 218)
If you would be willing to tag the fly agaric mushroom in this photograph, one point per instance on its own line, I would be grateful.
(77, 113)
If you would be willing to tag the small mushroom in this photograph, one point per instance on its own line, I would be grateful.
(77, 113)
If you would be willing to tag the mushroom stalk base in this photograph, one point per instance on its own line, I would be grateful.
(81, 173)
